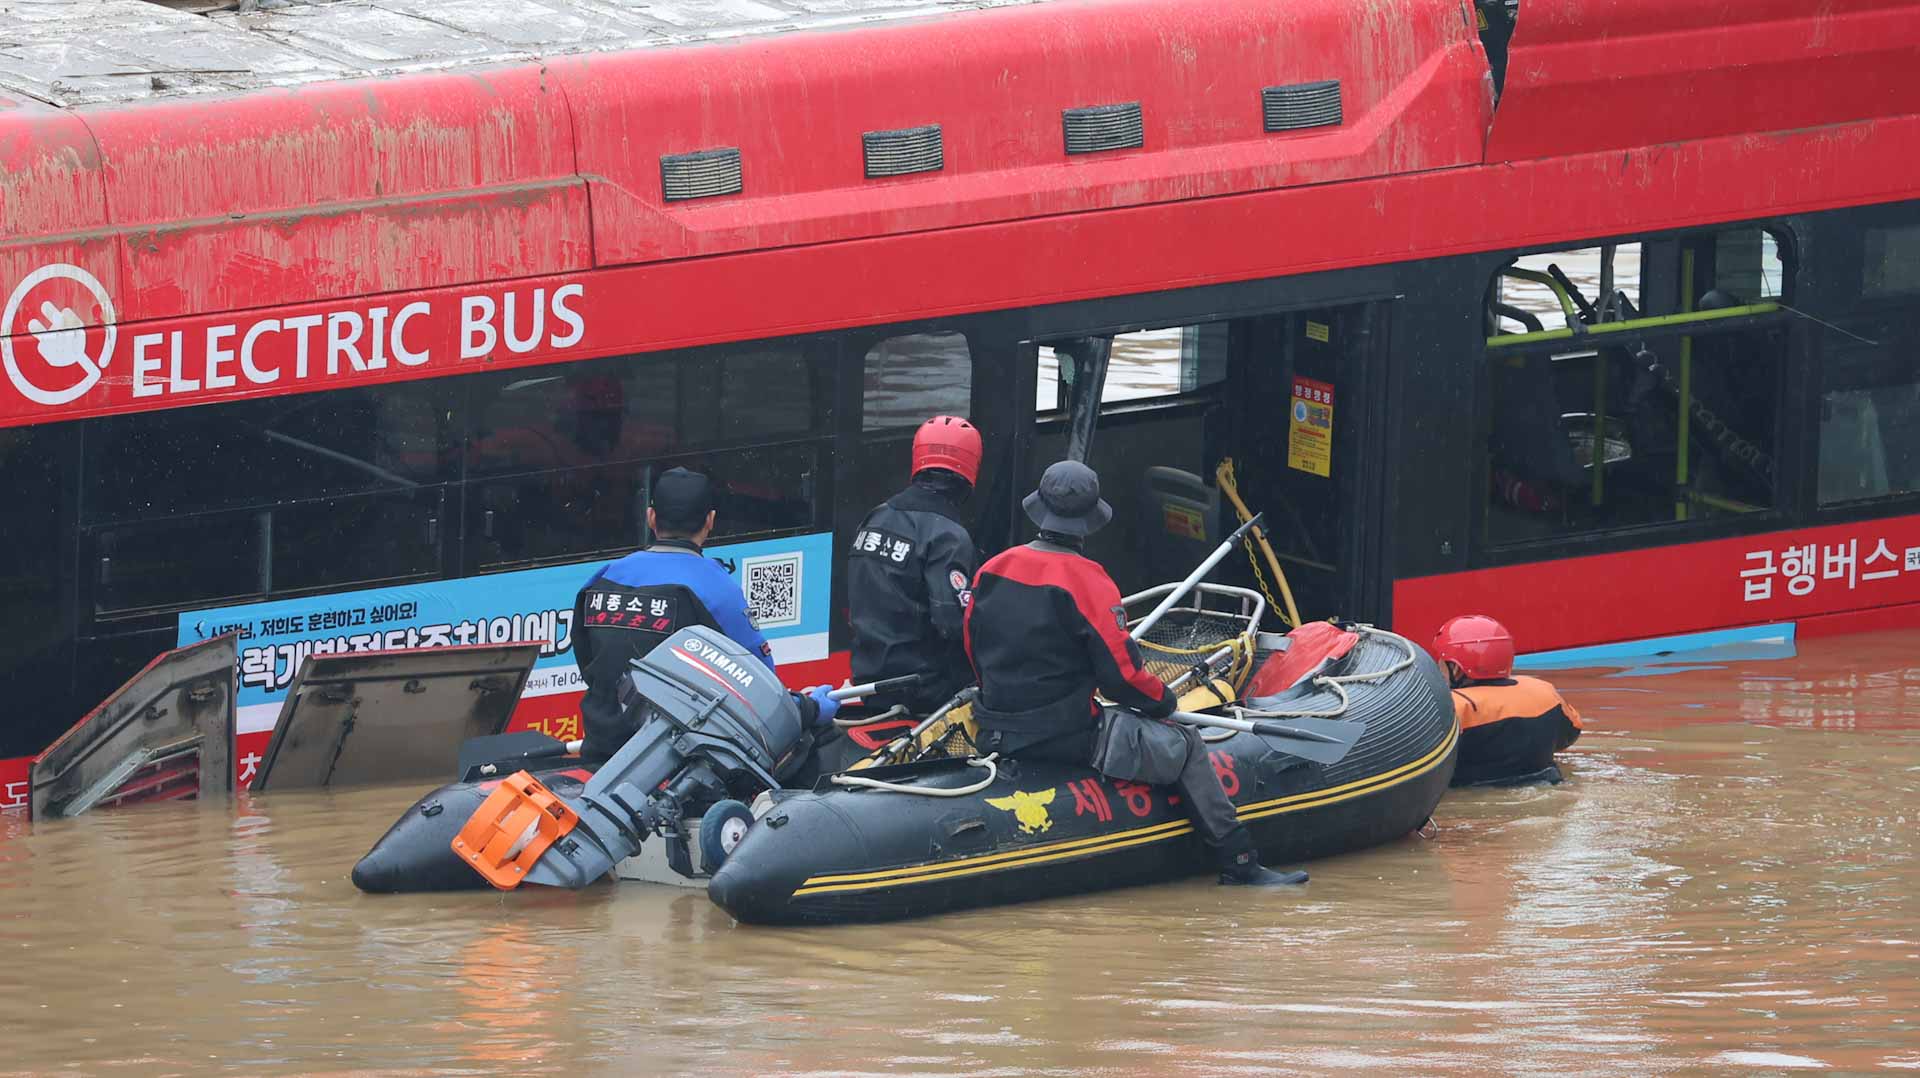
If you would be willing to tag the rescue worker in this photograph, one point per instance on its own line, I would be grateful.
(1510, 727)
(631, 605)
(910, 573)
(1045, 630)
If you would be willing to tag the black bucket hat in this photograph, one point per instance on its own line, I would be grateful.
(1068, 500)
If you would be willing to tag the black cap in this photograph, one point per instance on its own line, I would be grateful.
(1068, 500)
(682, 500)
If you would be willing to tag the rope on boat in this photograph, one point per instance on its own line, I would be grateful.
(1337, 683)
(894, 712)
(861, 781)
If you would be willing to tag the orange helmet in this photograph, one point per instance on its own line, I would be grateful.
(947, 441)
(1479, 646)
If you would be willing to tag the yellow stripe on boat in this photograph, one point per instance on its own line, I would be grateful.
(1083, 847)
(1071, 846)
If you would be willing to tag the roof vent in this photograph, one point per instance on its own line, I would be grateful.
(1305, 104)
(701, 174)
(904, 152)
(1104, 127)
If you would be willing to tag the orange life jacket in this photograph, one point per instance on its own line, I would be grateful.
(1484, 702)
(1509, 731)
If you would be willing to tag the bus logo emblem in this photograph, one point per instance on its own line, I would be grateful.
(59, 334)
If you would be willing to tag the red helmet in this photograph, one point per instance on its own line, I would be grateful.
(1481, 647)
(947, 441)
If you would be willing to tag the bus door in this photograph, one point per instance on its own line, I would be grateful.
(1305, 387)
(1139, 406)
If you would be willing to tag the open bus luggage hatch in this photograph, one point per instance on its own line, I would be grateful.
(166, 735)
(391, 716)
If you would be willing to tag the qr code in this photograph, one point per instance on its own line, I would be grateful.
(773, 589)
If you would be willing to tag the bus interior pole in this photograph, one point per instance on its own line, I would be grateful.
(1089, 356)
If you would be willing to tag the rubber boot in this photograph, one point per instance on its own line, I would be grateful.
(1245, 870)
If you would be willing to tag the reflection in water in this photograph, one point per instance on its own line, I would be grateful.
(1725, 882)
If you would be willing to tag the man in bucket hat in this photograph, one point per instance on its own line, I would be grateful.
(1045, 630)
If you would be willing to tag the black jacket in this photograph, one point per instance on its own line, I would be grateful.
(1045, 630)
(909, 580)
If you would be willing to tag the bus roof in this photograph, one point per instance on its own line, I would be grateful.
(962, 161)
(70, 53)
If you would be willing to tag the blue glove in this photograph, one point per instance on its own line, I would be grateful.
(829, 707)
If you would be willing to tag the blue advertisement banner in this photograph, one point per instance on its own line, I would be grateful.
(787, 583)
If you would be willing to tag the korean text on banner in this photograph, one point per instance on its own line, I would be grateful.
(787, 583)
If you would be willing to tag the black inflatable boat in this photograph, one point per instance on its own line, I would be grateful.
(1348, 739)
(416, 853)
(856, 853)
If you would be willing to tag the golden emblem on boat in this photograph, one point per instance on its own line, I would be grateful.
(1029, 809)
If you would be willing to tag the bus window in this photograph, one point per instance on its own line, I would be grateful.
(364, 539)
(1049, 394)
(151, 566)
(36, 650)
(586, 414)
(906, 380)
(1618, 401)
(565, 458)
(1892, 262)
(1150, 432)
(1526, 296)
(914, 376)
(583, 512)
(1870, 377)
(263, 497)
(157, 565)
(1550, 290)
(269, 450)
(1143, 365)
(764, 394)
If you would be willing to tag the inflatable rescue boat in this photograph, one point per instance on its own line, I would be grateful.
(416, 853)
(893, 842)
(1328, 739)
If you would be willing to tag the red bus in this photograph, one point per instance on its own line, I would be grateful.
(347, 328)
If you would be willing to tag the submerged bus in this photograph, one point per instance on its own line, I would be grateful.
(343, 326)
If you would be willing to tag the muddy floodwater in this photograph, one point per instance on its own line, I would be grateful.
(1727, 881)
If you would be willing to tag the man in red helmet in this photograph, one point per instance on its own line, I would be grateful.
(910, 572)
(1510, 727)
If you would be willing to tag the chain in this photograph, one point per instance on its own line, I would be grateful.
(1260, 578)
(1226, 476)
(1725, 437)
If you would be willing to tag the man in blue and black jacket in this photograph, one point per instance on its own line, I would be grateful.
(631, 605)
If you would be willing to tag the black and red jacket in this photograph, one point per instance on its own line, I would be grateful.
(1044, 631)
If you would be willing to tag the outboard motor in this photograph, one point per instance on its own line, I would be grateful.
(712, 714)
